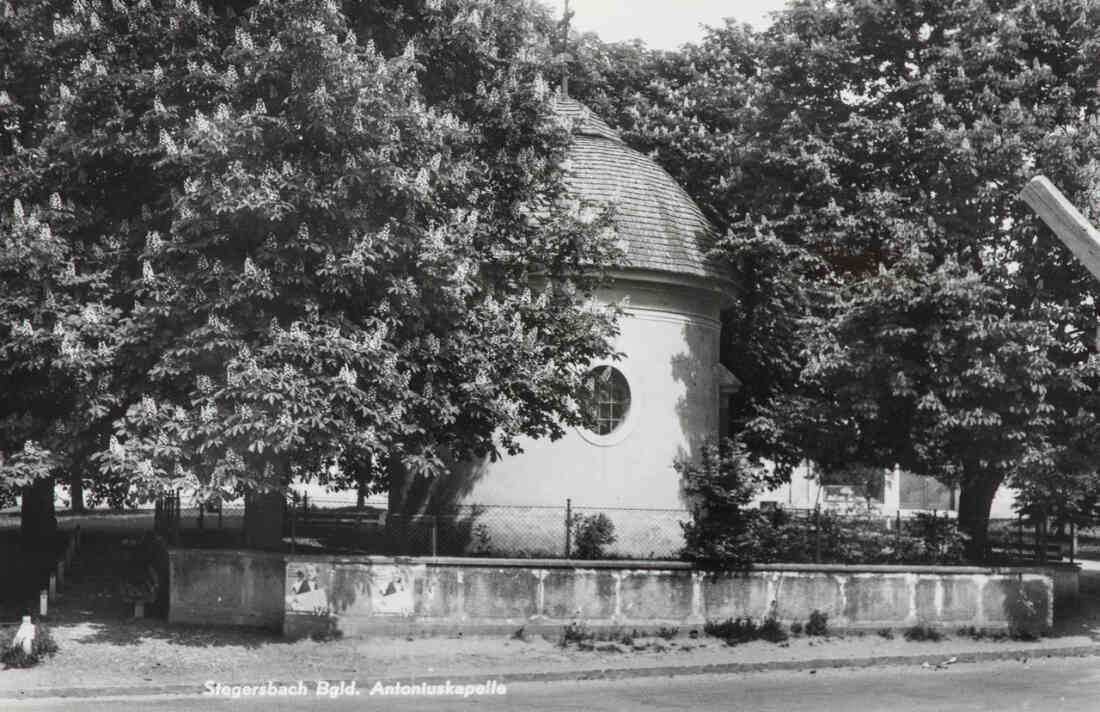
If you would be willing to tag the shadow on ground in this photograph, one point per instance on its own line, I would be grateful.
(136, 631)
(1086, 619)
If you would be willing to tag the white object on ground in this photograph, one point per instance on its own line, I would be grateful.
(24, 637)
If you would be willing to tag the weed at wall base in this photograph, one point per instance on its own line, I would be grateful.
(818, 625)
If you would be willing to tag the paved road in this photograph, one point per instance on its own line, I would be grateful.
(1040, 685)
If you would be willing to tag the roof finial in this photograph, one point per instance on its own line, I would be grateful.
(566, 15)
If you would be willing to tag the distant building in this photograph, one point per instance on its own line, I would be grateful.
(899, 491)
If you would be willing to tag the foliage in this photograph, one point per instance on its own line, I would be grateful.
(818, 624)
(744, 630)
(249, 246)
(921, 632)
(481, 543)
(592, 533)
(733, 631)
(667, 632)
(575, 632)
(916, 369)
(723, 531)
(726, 533)
(976, 633)
(899, 303)
(579, 633)
(886, 633)
(773, 631)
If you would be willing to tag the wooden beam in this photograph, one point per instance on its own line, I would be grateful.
(1066, 221)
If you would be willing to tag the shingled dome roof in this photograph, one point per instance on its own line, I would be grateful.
(664, 228)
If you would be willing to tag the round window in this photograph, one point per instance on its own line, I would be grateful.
(610, 398)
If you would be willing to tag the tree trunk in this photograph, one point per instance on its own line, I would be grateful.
(263, 520)
(76, 491)
(975, 501)
(38, 520)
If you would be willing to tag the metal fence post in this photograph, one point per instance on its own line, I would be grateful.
(1041, 538)
(176, 528)
(435, 532)
(568, 526)
(1037, 543)
(817, 534)
(293, 519)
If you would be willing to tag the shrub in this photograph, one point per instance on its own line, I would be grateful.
(575, 632)
(591, 534)
(970, 632)
(667, 633)
(579, 633)
(733, 631)
(726, 533)
(922, 632)
(939, 538)
(773, 631)
(44, 646)
(743, 630)
(887, 633)
(818, 625)
(723, 532)
(480, 542)
(1028, 634)
(796, 628)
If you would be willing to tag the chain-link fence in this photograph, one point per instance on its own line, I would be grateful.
(541, 532)
(337, 524)
(567, 531)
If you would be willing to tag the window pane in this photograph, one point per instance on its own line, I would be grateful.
(610, 398)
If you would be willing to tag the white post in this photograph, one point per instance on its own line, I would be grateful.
(43, 596)
(24, 637)
(891, 492)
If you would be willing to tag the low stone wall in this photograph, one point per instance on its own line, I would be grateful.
(226, 587)
(302, 595)
(357, 596)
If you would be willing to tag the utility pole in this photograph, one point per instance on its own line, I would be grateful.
(1066, 221)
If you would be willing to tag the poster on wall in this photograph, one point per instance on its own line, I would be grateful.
(306, 594)
(391, 590)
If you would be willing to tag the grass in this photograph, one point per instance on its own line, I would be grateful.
(667, 633)
(577, 633)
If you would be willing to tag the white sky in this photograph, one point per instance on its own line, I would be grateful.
(663, 24)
